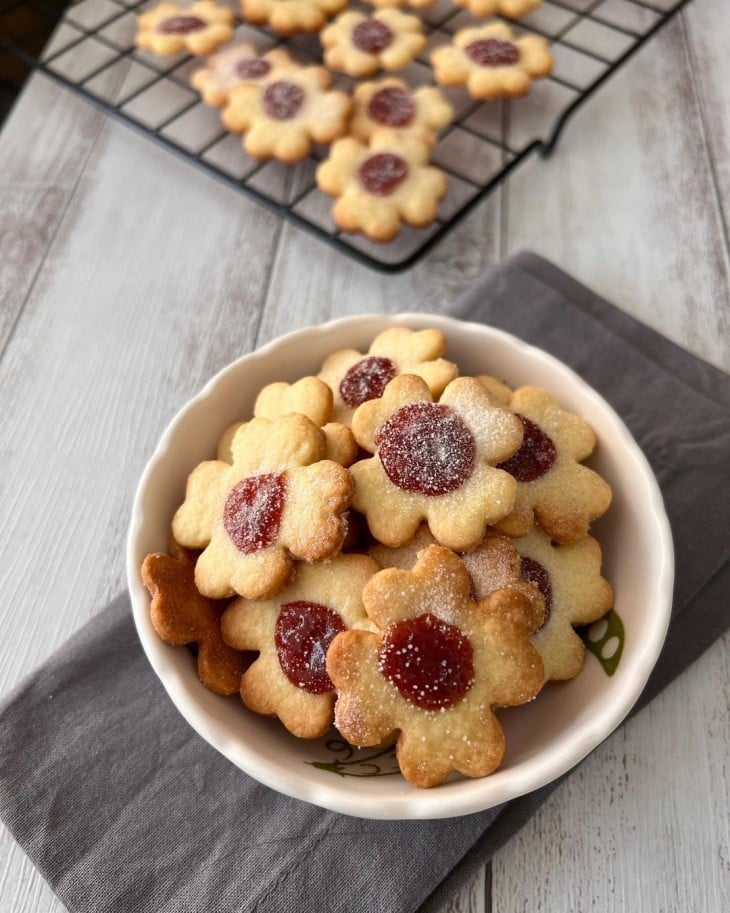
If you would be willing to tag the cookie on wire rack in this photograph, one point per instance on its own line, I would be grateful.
(198, 29)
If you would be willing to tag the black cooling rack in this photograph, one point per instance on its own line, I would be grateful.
(92, 53)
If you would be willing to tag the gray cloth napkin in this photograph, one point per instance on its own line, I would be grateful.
(123, 807)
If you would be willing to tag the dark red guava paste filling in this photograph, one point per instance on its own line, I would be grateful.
(427, 448)
(492, 52)
(429, 661)
(253, 510)
(366, 380)
(181, 25)
(304, 632)
(382, 173)
(536, 455)
(253, 68)
(372, 36)
(282, 100)
(392, 106)
(536, 574)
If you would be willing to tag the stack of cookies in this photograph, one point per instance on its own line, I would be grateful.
(382, 134)
(392, 548)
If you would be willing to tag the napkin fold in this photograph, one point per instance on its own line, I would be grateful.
(122, 807)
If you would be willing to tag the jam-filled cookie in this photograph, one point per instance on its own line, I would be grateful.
(392, 103)
(291, 17)
(439, 664)
(382, 185)
(181, 616)
(355, 378)
(491, 62)
(292, 633)
(361, 45)
(434, 462)
(235, 66)
(198, 29)
(278, 500)
(513, 9)
(553, 488)
(282, 116)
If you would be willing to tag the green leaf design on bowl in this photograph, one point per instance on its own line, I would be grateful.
(605, 640)
(356, 763)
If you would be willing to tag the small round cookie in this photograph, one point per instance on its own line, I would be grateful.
(391, 103)
(283, 115)
(355, 378)
(199, 29)
(292, 633)
(181, 616)
(491, 62)
(435, 670)
(360, 45)
(235, 66)
(291, 17)
(512, 9)
(278, 500)
(553, 488)
(434, 462)
(382, 185)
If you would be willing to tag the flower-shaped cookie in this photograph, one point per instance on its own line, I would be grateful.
(513, 9)
(439, 665)
(575, 593)
(416, 4)
(491, 62)
(277, 500)
(286, 113)
(392, 103)
(360, 45)
(198, 29)
(291, 17)
(181, 616)
(292, 633)
(382, 185)
(340, 445)
(355, 378)
(434, 462)
(235, 66)
(553, 488)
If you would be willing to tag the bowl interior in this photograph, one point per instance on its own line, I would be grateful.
(545, 738)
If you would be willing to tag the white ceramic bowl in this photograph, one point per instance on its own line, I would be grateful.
(545, 738)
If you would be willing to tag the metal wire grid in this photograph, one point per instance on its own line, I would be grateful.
(92, 52)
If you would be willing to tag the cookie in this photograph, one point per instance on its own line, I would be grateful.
(181, 616)
(291, 17)
(355, 378)
(278, 500)
(198, 29)
(292, 633)
(392, 103)
(235, 66)
(340, 446)
(434, 462)
(435, 670)
(381, 186)
(416, 4)
(283, 115)
(496, 388)
(361, 45)
(553, 488)
(513, 9)
(491, 62)
(308, 396)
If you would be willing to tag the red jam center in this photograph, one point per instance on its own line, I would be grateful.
(371, 36)
(429, 661)
(427, 448)
(536, 574)
(181, 25)
(492, 52)
(304, 632)
(535, 456)
(253, 510)
(392, 106)
(366, 380)
(253, 68)
(382, 173)
(282, 100)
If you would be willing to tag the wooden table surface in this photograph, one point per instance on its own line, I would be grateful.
(127, 279)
